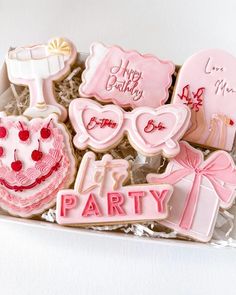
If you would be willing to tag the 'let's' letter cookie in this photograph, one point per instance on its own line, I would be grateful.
(100, 197)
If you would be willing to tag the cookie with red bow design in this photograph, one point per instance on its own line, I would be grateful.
(36, 161)
(201, 188)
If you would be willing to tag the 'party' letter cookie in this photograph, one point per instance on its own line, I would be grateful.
(126, 78)
(36, 161)
(99, 195)
(206, 83)
(200, 189)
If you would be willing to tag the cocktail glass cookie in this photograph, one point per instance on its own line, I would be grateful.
(37, 67)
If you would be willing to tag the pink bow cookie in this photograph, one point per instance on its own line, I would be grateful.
(150, 131)
(200, 189)
(126, 78)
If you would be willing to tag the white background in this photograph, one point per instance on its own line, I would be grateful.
(41, 261)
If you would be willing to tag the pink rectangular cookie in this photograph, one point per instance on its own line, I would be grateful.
(126, 78)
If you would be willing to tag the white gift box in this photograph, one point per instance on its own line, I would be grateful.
(208, 202)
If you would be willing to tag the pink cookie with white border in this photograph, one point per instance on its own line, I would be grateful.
(99, 196)
(36, 161)
(201, 188)
(126, 78)
(38, 66)
(150, 131)
(207, 84)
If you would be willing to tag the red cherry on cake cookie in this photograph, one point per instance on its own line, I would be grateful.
(1, 151)
(17, 164)
(3, 132)
(45, 131)
(36, 155)
(24, 133)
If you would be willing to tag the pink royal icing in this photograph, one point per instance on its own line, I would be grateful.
(37, 67)
(200, 189)
(126, 78)
(99, 196)
(206, 84)
(35, 164)
(150, 131)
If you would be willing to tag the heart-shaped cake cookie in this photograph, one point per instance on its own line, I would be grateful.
(36, 161)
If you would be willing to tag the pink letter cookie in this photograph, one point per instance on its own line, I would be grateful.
(37, 67)
(206, 83)
(36, 161)
(99, 195)
(150, 131)
(200, 189)
(126, 78)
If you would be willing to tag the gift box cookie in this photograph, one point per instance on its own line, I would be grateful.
(200, 189)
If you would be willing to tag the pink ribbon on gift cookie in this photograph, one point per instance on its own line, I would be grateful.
(219, 169)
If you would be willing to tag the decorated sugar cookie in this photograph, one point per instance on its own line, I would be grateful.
(38, 66)
(150, 131)
(200, 189)
(206, 83)
(36, 161)
(126, 78)
(99, 195)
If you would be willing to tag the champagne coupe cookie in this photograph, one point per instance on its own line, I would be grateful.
(99, 195)
(150, 131)
(200, 189)
(36, 161)
(37, 67)
(207, 84)
(126, 78)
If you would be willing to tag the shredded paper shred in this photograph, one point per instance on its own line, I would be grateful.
(68, 89)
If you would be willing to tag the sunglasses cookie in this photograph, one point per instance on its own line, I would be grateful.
(150, 131)
(126, 78)
(38, 66)
(201, 188)
(206, 84)
(99, 196)
(36, 161)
